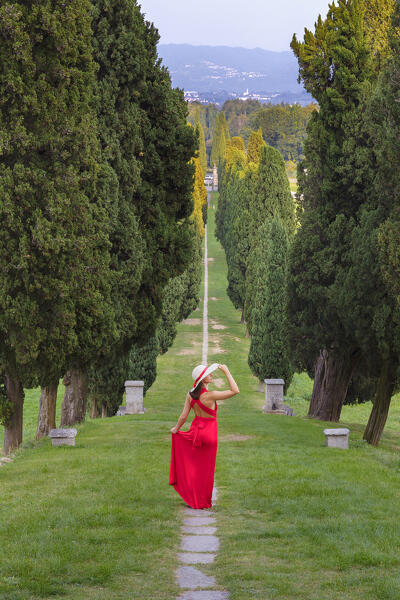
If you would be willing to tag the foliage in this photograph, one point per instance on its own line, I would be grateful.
(141, 119)
(220, 138)
(254, 146)
(268, 355)
(284, 127)
(54, 243)
(202, 146)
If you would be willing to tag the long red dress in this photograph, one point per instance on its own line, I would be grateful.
(193, 455)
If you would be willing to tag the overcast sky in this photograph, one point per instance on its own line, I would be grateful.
(267, 24)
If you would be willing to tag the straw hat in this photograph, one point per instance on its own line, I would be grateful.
(200, 372)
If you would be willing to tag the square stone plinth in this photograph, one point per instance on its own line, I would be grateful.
(337, 438)
(63, 437)
(200, 543)
(192, 578)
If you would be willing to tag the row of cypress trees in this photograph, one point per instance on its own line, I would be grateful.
(255, 223)
(343, 315)
(341, 322)
(94, 204)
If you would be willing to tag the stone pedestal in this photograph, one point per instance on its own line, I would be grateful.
(274, 397)
(62, 437)
(337, 438)
(134, 397)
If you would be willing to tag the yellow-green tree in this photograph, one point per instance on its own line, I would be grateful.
(202, 142)
(254, 146)
(220, 139)
(199, 198)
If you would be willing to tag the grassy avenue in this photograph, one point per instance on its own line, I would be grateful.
(297, 521)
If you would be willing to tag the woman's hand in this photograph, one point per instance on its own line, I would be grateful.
(223, 368)
(174, 430)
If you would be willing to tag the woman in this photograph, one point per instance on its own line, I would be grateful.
(193, 452)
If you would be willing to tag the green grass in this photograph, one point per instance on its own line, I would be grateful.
(297, 521)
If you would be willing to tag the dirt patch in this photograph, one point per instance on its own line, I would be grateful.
(215, 325)
(191, 321)
(213, 298)
(215, 348)
(210, 259)
(237, 339)
(187, 352)
(235, 437)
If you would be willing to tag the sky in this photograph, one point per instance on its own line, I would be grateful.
(267, 24)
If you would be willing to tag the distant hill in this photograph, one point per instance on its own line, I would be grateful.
(216, 69)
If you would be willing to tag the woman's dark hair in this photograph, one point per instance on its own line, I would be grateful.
(197, 390)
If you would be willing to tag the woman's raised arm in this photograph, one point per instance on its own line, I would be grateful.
(214, 395)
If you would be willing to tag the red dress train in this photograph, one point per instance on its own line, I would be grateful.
(193, 455)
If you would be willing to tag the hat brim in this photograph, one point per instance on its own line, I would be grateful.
(210, 369)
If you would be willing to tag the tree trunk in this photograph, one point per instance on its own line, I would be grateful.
(380, 409)
(332, 377)
(73, 408)
(13, 429)
(47, 410)
(94, 408)
(104, 411)
(242, 317)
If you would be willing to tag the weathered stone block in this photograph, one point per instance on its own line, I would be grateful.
(274, 396)
(337, 438)
(134, 397)
(63, 437)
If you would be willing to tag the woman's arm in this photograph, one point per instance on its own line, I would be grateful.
(184, 415)
(214, 395)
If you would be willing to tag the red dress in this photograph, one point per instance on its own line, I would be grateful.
(193, 455)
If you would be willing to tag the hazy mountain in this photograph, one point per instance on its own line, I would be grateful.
(220, 68)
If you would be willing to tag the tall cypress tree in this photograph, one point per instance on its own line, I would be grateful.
(268, 355)
(220, 138)
(54, 247)
(148, 144)
(254, 146)
(335, 65)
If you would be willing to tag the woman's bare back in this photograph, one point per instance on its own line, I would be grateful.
(199, 412)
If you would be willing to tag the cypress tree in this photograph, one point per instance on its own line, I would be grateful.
(254, 146)
(337, 77)
(54, 249)
(148, 144)
(220, 138)
(202, 146)
(268, 355)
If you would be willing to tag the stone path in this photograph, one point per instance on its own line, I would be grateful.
(199, 543)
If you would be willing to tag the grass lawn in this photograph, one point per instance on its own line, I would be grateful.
(299, 520)
(296, 520)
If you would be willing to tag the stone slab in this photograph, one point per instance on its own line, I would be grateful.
(200, 543)
(63, 442)
(199, 521)
(191, 578)
(204, 595)
(202, 530)
(63, 433)
(198, 512)
(196, 558)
